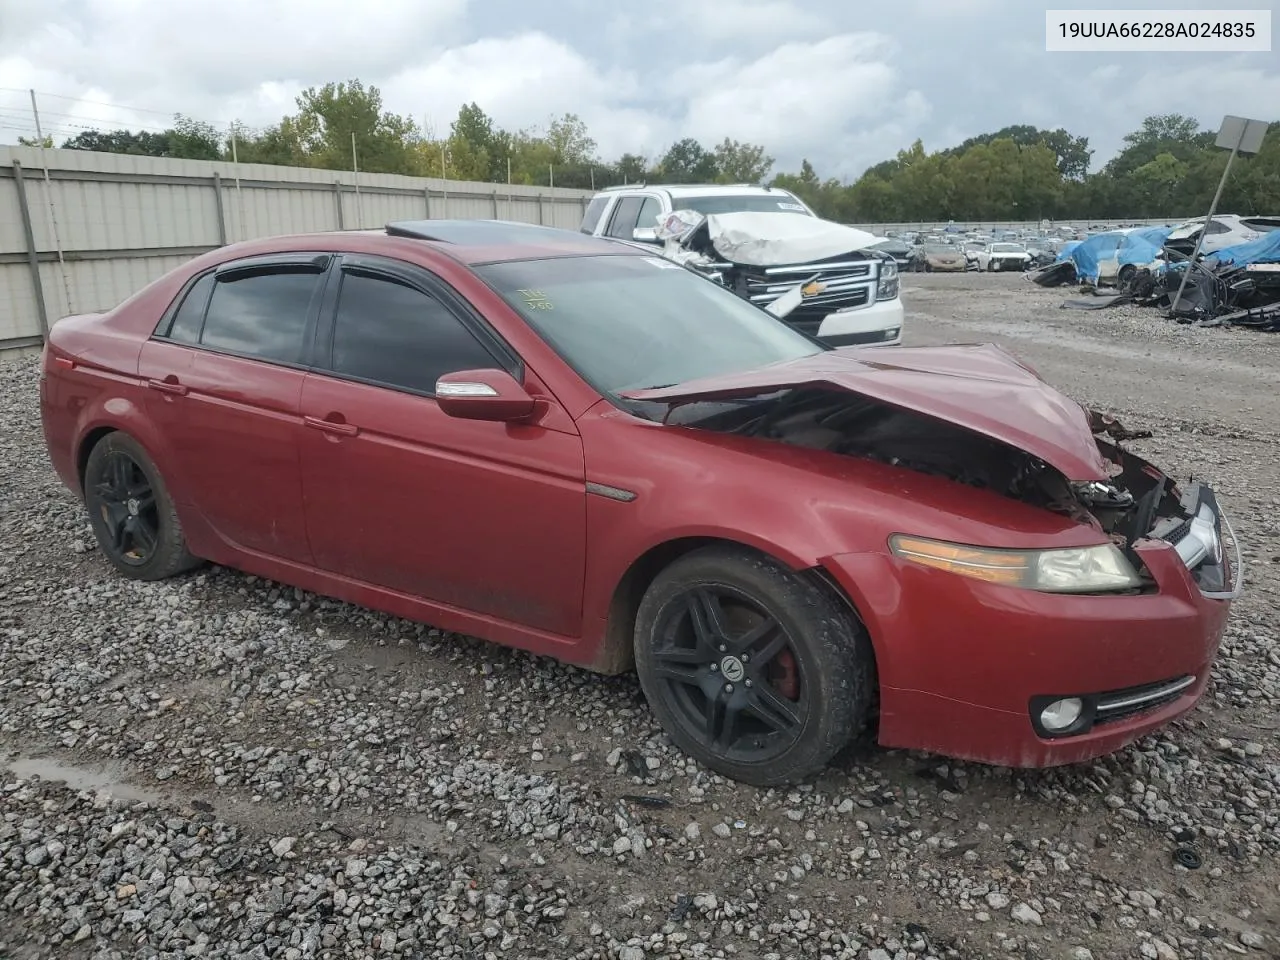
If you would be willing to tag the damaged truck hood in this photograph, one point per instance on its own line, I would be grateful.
(767, 239)
(976, 386)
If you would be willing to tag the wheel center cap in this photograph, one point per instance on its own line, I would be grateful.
(133, 507)
(731, 669)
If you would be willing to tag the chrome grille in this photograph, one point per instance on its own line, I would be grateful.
(849, 283)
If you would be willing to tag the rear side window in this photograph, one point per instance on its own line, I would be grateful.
(591, 216)
(185, 325)
(624, 217)
(394, 334)
(262, 313)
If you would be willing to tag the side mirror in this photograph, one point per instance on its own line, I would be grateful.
(645, 234)
(492, 395)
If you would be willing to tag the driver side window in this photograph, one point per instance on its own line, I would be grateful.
(396, 335)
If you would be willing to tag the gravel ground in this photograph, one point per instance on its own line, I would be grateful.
(220, 766)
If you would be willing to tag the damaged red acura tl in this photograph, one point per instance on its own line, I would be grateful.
(567, 445)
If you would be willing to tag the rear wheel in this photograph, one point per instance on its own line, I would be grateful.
(131, 512)
(752, 669)
(991, 266)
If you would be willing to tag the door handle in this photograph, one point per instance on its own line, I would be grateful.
(168, 386)
(332, 426)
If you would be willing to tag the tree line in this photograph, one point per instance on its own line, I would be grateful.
(1167, 168)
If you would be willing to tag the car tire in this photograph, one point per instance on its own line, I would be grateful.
(991, 266)
(131, 512)
(1125, 276)
(754, 670)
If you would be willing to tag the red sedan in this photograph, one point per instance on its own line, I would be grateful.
(564, 444)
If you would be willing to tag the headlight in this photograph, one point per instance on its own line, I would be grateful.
(1070, 570)
(887, 289)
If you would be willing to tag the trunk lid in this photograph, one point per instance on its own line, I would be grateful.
(976, 386)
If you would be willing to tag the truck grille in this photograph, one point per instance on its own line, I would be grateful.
(849, 284)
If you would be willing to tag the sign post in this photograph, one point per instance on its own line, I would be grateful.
(1239, 136)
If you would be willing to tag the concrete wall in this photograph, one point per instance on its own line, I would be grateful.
(121, 221)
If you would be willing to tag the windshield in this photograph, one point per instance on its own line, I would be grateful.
(740, 203)
(625, 323)
(1006, 248)
(946, 249)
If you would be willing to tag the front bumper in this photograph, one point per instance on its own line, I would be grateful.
(879, 324)
(1009, 264)
(965, 666)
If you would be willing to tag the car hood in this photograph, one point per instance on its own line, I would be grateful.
(976, 386)
(769, 239)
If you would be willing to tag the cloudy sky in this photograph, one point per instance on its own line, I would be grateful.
(843, 83)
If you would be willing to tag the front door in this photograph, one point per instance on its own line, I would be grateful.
(224, 377)
(486, 517)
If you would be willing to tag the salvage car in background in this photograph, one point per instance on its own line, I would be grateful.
(1002, 256)
(576, 447)
(943, 257)
(1227, 230)
(822, 278)
(902, 252)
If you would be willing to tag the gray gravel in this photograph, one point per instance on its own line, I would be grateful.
(221, 766)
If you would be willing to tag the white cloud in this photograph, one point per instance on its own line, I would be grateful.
(740, 20)
(846, 85)
(838, 96)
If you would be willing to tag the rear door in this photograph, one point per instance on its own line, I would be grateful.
(486, 517)
(225, 372)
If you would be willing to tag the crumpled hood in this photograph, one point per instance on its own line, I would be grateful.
(976, 386)
(769, 239)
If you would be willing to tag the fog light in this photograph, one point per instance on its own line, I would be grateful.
(891, 333)
(1061, 714)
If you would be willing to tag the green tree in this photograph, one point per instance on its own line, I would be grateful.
(329, 116)
(143, 143)
(569, 142)
(1157, 184)
(741, 162)
(687, 161)
(633, 168)
(46, 141)
(194, 139)
(1071, 153)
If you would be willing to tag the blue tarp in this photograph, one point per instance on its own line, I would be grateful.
(1265, 249)
(1139, 246)
(1065, 252)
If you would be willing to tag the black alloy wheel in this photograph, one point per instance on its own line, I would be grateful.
(123, 498)
(132, 515)
(729, 670)
(754, 670)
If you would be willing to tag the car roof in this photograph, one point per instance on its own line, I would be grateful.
(475, 242)
(469, 242)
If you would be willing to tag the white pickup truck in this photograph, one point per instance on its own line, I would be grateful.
(849, 291)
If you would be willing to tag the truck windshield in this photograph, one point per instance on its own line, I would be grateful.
(740, 203)
(629, 322)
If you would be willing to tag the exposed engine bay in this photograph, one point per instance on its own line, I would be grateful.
(1138, 498)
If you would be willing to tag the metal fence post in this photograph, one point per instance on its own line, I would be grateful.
(222, 219)
(337, 199)
(494, 197)
(540, 220)
(33, 255)
(426, 200)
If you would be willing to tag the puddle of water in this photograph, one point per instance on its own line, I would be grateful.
(79, 778)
